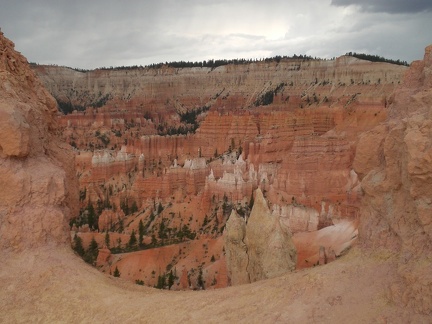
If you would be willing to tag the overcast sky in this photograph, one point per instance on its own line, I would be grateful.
(96, 33)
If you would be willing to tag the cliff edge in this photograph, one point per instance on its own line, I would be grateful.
(394, 162)
(37, 178)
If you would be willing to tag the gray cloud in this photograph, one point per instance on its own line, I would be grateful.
(90, 34)
(389, 6)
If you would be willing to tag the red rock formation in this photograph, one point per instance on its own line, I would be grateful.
(259, 249)
(394, 164)
(108, 218)
(39, 192)
(104, 257)
(230, 86)
(323, 246)
(185, 261)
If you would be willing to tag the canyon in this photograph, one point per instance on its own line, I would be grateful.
(177, 149)
(220, 187)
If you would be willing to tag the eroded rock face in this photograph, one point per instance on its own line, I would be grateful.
(323, 246)
(262, 248)
(270, 248)
(236, 249)
(396, 177)
(38, 187)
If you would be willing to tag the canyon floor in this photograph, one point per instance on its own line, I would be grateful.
(52, 285)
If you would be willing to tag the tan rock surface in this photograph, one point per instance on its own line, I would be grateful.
(260, 249)
(270, 248)
(53, 285)
(236, 249)
(38, 188)
(396, 207)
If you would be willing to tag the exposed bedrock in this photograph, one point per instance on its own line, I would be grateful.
(39, 191)
(394, 161)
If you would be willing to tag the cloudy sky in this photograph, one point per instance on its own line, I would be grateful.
(96, 33)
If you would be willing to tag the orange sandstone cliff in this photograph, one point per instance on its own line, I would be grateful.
(38, 192)
(394, 161)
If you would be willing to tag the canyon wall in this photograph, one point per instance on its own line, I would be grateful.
(230, 86)
(39, 188)
(394, 162)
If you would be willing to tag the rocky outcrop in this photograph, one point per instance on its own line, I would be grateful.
(394, 163)
(39, 189)
(260, 249)
(324, 245)
(297, 218)
(270, 248)
(236, 249)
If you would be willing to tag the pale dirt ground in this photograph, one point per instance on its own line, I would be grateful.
(52, 285)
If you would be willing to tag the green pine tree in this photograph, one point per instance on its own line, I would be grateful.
(92, 252)
(161, 282)
(171, 278)
(132, 240)
(200, 279)
(91, 215)
(141, 231)
(134, 208)
(107, 239)
(77, 246)
(116, 272)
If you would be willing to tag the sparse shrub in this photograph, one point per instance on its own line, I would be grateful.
(139, 282)
(132, 244)
(116, 273)
(77, 246)
(92, 252)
